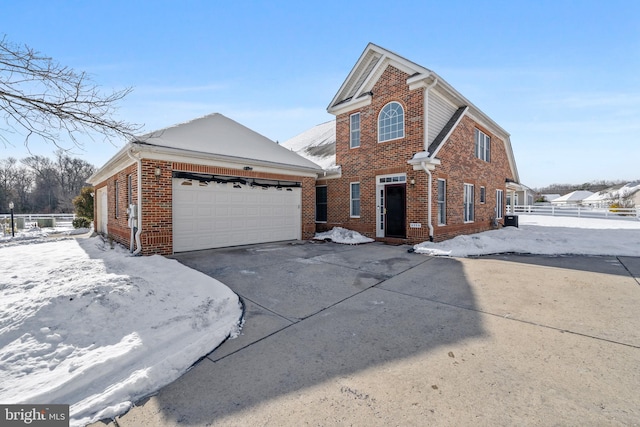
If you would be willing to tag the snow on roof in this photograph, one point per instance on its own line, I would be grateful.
(317, 144)
(574, 196)
(217, 134)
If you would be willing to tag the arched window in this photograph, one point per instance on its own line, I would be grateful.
(391, 122)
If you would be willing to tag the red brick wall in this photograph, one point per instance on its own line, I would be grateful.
(118, 225)
(372, 158)
(460, 166)
(157, 208)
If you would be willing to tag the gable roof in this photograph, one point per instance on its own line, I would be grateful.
(355, 92)
(573, 197)
(317, 144)
(221, 136)
(212, 138)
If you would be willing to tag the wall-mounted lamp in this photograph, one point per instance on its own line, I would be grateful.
(157, 172)
(412, 181)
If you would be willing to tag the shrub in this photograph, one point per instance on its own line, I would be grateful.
(81, 222)
(84, 203)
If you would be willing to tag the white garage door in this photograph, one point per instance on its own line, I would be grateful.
(217, 215)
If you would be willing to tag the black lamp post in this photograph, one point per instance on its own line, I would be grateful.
(13, 233)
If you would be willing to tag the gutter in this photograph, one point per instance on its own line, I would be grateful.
(423, 161)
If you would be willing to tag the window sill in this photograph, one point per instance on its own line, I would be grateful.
(388, 140)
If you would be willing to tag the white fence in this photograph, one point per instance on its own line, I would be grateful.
(26, 220)
(577, 211)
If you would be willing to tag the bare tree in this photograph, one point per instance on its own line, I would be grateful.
(39, 97)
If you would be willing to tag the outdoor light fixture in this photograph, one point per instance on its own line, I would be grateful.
(13, 231)
(412, 182)
(157, 172)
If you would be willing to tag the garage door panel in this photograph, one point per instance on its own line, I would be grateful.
(220, 215)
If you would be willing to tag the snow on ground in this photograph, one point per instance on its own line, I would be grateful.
(85, 324)
(344, 236)
(546, 235)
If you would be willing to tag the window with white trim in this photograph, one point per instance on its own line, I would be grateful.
(391, 122)
(354, 130)
(442, 202)
(116, 191)
(355, 200)
(499, 204)
(129, 190)
(483, 195)
(482, 145)
(468, 202)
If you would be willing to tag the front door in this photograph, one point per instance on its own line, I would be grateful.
(395, 199)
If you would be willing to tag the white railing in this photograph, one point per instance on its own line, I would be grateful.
(28, 220)
(577, 211)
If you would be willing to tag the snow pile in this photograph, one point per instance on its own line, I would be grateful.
(90, 326)
(344, 236)
(26, 234)
(544, 235)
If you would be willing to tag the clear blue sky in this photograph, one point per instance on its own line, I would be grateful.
(563, 77)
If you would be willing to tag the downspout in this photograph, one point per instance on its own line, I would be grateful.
(429, 221)
(426, 148)
(139, 228)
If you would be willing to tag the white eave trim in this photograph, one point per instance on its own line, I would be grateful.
(196, 157)
(351, 105)
(423, 158)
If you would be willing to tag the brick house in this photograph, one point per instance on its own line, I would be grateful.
(207, 183)
(414, 159)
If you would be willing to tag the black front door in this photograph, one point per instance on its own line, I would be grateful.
(395, 208)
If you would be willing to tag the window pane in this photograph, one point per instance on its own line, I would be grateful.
(355, 130)
(391, 122)
(442, 213)
(355, 199)
(321, 204)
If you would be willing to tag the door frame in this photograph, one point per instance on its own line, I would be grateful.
(102, 211)
(381, 182)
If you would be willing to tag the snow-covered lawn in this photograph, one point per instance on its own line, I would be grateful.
(546, 235)
(87, 325)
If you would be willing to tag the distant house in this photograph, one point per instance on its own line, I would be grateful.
(207, 183)
(521, 196)
(573, 198)
(627, 195)
(413, 159)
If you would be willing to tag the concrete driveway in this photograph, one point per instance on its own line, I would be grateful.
(372, 335)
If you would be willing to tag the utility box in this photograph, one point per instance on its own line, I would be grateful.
(511, 220)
